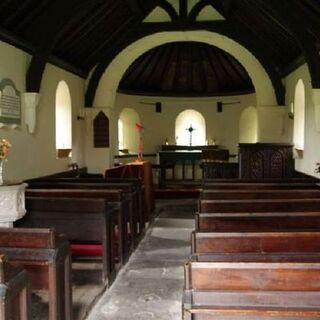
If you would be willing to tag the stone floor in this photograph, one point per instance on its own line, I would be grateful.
(150, 285)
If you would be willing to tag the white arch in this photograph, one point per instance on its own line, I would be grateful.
(184, 120)
(63, 116)
(109, 82)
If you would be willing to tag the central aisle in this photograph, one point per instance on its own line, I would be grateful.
(150, 285)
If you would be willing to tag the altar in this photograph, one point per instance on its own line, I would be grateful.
(183, 163)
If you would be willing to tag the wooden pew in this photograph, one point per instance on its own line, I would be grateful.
(14, 292)
(261, 185)
(260, 205)
(260, 194)
(260, 221)
(265, 180)
(130, 189)
(115, 198)
(46, 257)
(80, 220)
(255, 242)
(253, 290)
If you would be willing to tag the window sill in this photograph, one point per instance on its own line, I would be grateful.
(63, 153)
(298, 153)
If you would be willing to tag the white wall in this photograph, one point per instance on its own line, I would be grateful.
(223, 127)
(311, 153)
(34, 155)
(248, 125)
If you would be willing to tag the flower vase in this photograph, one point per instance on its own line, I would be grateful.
(1, 171)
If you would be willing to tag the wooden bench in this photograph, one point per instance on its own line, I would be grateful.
(260, 194)
(260, 205)
(135, 212)
(46, 257)
(266, 180)
(260, 221)
(80, 220)
(261, 185)
(133, 186)
(137, 190)
(120, 228)
(255, 242)
(14, 292)
(252, 290)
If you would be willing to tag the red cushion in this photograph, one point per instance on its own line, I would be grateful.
(94, 250)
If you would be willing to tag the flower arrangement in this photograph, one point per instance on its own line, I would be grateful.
(5, 146)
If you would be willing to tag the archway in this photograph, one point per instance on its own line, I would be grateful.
(63, 117)
(299, 116)
(107, 88)
(190, 119)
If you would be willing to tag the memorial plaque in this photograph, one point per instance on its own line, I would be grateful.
(10, 103)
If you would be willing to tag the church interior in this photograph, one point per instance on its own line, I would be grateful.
(159, 159)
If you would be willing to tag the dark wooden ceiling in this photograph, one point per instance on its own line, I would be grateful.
(80, 35)
(186, 69)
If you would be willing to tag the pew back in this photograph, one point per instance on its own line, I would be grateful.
(260, 205)
(260, 221)
(255, 242)
(260, 194)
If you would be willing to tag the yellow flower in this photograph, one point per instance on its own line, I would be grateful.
(5, 146)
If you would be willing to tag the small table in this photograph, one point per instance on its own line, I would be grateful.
(12, 202)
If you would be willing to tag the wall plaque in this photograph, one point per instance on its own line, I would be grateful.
(10, 103)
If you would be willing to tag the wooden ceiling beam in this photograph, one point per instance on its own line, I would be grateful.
(298, 30)
(183, 9)
(197, 9)
(167, 6)
(48, 34)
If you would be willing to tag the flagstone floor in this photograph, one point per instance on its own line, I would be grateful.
(150, 285)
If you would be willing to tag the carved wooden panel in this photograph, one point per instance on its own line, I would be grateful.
(265, 160)
(101, 131)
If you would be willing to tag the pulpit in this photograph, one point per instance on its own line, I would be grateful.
(266, 160)
(12, 203)
(140, 170)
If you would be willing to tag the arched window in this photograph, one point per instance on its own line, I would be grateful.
(129, 117)
(299, 116)
(120, 135)
(190, 119)
(63, 120)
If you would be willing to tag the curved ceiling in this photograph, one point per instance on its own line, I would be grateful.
(186, 69)
(79, 35)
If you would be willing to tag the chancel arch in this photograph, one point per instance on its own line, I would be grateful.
(129, 136)
(190, 128)
(108, 85)
(63, 116)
